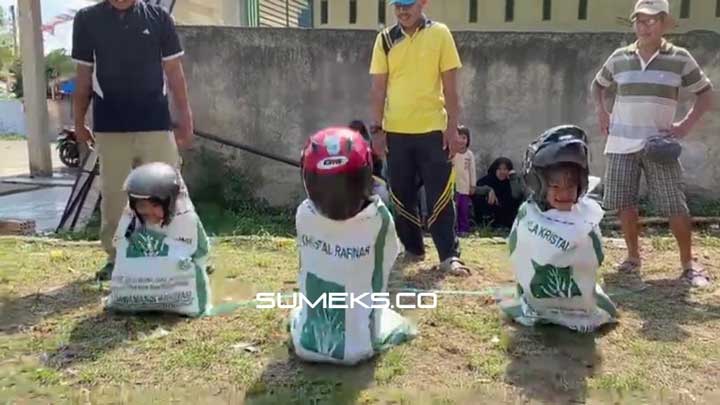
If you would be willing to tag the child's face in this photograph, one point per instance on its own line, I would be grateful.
(562, 190)
(151, 212)
(464, 139)
(502, 173)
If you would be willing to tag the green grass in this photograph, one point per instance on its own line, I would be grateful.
(391, 365)
(12, 137)
(257, 220)
(622, 382)
(245, 221)
(698, 206)
(55, 339)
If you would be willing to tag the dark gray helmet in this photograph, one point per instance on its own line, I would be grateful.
(565, 144)
(156, 181)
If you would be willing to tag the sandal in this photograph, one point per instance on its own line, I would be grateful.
(629, 266)
(455, 267)
(696, 276)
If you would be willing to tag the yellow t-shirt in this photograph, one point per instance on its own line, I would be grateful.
(415, 103)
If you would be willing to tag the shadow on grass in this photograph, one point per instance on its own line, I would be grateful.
(664, 306)
(92, 337)
(17, 314)
(289, 380)
(552, 364)
(425, 278)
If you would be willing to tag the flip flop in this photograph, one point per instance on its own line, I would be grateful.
(455, 267)
(629, 266)
(696, 276)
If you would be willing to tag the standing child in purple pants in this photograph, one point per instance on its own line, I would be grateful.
(465, 177)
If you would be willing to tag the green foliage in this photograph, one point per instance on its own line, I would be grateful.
(57, 64)
(699, 207)
(226, 203)
(6, 42)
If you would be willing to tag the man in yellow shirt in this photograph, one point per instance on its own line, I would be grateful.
(415, 111)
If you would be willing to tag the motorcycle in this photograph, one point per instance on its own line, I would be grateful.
(68, 148)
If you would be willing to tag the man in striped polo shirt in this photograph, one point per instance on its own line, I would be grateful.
(649, 74)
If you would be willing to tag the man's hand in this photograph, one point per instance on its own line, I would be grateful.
(680, 129)
(83, 134)
(184, 133)
(492, 198)
(703, 104)
(451, 141)
(379, 142)
(472, 190)
(604, 121)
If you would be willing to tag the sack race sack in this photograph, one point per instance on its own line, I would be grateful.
(354, 256)
(555, 256)
(161, 268)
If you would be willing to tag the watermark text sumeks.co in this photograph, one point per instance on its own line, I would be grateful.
(348, 300)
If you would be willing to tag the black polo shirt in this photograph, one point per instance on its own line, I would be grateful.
(127, 49)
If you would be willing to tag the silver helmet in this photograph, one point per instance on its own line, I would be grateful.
(159, 182)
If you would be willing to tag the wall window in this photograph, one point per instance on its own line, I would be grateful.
(685, 9)
(323, 11)
(509, 10)
(473, 12)
(353, 11)
(582, 10)
(381, 12)
(717, 9)
(547, 10)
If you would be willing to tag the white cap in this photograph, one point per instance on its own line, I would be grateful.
(651, 7)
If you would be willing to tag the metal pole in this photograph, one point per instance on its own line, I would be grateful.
(34, 87)
(247, 148)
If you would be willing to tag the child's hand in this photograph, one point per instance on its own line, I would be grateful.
(472, 190)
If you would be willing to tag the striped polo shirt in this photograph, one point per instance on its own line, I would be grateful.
(647, 93)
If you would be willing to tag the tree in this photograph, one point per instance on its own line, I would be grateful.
(6, 42)
(16, 70)
(57, 64)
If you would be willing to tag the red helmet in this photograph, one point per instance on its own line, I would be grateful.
(337, 172)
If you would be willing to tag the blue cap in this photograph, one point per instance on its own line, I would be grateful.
(403, 2)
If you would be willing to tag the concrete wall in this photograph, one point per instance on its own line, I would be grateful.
(272, 88)
(604, 15)
(12, 119)
(12, 116)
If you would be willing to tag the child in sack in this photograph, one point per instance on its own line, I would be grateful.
(347, 244)
(162, 247)
(555, 243)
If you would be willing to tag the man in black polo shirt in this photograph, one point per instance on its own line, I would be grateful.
(128, 57)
